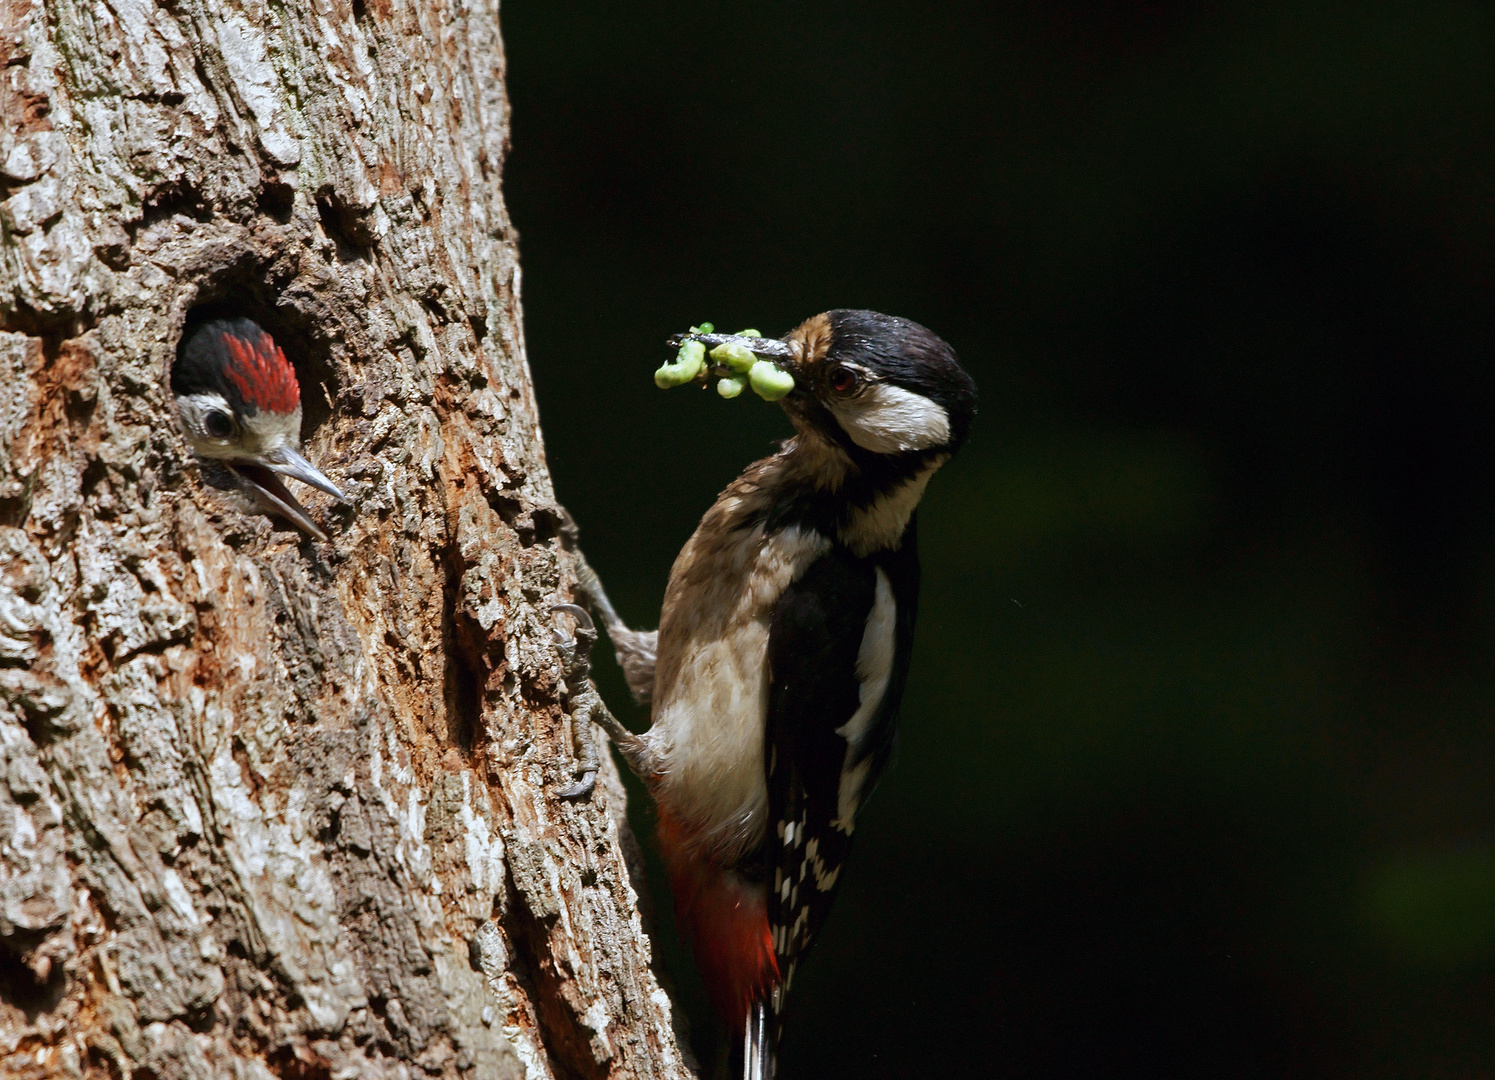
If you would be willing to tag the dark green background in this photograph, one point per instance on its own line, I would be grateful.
(1197, 757)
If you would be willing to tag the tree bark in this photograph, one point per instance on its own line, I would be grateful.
(273, 807)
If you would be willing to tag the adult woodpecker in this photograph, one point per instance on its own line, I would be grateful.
(240, 405)
(782, 651)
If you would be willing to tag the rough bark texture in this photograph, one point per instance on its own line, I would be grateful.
(269, 806)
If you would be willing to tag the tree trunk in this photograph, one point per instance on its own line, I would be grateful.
(272, 806)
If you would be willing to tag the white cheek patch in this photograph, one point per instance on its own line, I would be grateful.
(891, 420)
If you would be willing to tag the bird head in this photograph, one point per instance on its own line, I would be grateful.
(240, 404)
(877, 384)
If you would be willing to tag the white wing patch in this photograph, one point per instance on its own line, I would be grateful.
(874, 669)
(888, 419)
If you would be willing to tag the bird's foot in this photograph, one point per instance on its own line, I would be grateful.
(588, 710)
(575, 652)
(634, 649)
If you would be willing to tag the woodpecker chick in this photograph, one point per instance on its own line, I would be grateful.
(240, 405)
(782, 652)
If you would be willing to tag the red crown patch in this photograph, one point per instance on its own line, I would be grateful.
(262, 373)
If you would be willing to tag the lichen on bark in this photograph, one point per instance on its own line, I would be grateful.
(272, 807)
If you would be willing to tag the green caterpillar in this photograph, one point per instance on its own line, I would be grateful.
(690, 361)
(736, 366)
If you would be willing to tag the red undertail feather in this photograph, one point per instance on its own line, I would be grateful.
(262, 373)
(725, 919)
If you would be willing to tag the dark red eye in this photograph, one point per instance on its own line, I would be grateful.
(843, 379)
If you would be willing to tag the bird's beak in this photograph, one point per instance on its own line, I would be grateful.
(261, 472)
(289, 463)
(788, 356)
(783, 353)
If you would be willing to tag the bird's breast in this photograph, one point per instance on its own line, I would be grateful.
(711, 690)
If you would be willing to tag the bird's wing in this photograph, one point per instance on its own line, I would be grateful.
(838, 655)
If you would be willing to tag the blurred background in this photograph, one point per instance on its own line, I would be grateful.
(1197, 766)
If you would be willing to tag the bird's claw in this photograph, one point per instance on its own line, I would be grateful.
(582, 788)
(582, 616)
(586, 629)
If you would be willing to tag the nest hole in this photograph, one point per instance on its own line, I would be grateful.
(22, 986)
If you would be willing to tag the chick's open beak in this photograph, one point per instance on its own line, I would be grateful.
(261, 473)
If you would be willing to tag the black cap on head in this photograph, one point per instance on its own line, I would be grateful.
(239, 361)
(907, 355)
(884, 384)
